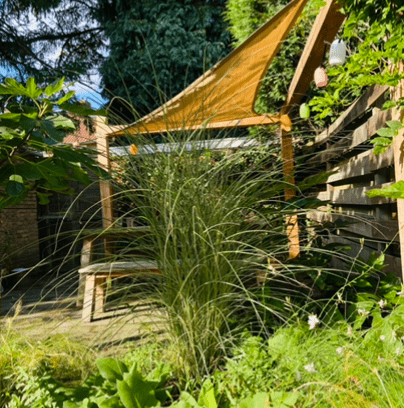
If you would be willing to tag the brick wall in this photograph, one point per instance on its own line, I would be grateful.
(19, 232)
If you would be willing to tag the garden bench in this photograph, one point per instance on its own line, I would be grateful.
(88, 272)
(95, 277)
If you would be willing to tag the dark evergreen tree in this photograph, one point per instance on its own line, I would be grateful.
(159, 47)
(48, 39)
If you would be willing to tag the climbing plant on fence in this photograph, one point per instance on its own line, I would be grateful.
(375, 32)
(377, 26)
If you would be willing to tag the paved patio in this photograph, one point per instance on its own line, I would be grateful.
(40, 308)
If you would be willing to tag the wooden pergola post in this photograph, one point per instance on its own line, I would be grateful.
(398, 93)
(292, 226)
(106, 190)
(324, 31)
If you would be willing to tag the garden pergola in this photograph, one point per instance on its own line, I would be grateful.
(224, 97)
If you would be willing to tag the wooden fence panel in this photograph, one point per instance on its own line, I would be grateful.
(364, 224)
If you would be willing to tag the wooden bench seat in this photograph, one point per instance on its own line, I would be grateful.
(96, 275)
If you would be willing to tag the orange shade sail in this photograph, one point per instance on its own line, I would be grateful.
(226, 94)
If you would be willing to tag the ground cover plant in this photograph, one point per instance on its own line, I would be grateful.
(305, 363)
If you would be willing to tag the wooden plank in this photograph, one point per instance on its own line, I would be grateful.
(369, 98)
(399, 163)
(362, 164)
(393, 262)
(292, 225)
(354, 196)
(88, 305)
(386, 230)
(106, 191)
(349, 142)
(324, 30)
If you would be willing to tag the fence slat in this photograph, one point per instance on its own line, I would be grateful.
(386, 230)
(362, 164)
(369, 98)
(354, 196)
(393, 262)
(352, 140)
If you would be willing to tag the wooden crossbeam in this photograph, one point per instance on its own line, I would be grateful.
(324, 30)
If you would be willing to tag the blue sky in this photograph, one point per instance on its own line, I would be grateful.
(87, 89)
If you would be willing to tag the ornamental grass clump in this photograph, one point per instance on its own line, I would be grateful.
(217, 220)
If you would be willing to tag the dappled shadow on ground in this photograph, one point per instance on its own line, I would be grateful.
(40, 308)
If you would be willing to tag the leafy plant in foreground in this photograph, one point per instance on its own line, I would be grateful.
(31, 132)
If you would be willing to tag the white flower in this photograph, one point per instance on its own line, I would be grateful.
(363, 312)
(313, 322)
(382, 304)
(398, 351)
(382, 338)
(340, 350)
(340, 300)
(310, 368)
(350, 331)
(393, 335)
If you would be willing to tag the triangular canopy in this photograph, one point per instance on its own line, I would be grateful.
(225, 95)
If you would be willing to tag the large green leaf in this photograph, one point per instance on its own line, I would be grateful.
(49, 129)
(27, 123)
(111, 369)
(8, 133)
(12, 87)
(10, 120)
(259, 400)
(134, 389)
(387, 132)
(395, 125)
(281, 399)
(207, 395)
(65, 98)
(395, 191)
(15, 186)
(61, 122)
(78, 174)
(55, 87)
(29, 171)
(82, 110)
(32, 90)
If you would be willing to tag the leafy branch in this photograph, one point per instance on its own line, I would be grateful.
(32, 156)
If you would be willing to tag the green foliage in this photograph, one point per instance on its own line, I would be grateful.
(27, 365)
(113, 387)
(374, 32)
(395, 191)
(31, 155)
(387, 134)
(158, 48)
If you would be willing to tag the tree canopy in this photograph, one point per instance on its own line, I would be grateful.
(47, 39)
(157, 48)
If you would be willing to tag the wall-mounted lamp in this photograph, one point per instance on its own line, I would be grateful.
(337, 52)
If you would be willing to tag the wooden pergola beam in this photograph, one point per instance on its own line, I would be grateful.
(259, 120)
(324, 30)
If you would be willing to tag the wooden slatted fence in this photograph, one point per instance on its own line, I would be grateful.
(365, 224)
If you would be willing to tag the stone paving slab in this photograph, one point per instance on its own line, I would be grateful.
(38, 309)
